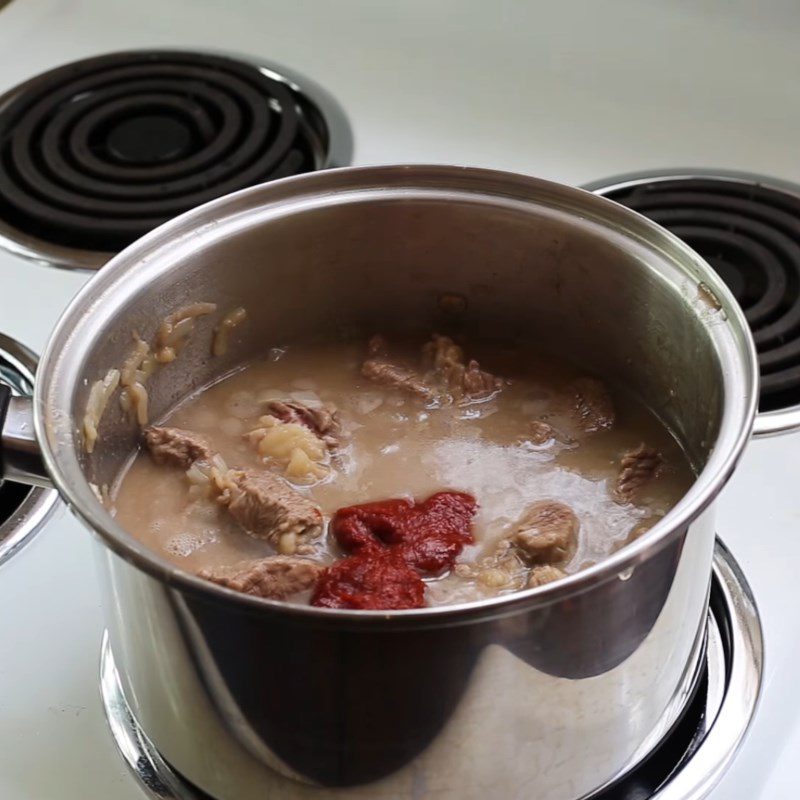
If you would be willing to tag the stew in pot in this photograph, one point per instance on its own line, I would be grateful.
(399, 474)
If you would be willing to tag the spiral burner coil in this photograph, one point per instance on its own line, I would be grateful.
(749, 232)
(98, 152)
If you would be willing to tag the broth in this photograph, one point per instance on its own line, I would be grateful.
(508, 448)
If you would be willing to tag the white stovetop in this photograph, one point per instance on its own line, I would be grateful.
(573, 92)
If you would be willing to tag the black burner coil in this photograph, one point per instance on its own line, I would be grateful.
(750, 234)
(98, 152)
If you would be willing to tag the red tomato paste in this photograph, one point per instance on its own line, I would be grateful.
(393, 543)
(377, 578)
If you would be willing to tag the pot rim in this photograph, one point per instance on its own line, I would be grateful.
(740, 401)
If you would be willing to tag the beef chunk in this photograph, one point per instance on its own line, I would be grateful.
(177, 447)
(443, 359)
(544, 573)
(268, 508)
(276, 577)
(261, 502)
(444, 356)
(508, 572)
(509, 567)
(501, 569)
(477, 383)
(463, 380)
(541, 432)
(592, 406)
(379, 370)
(324, 422)
(637, 468)
(547, 533)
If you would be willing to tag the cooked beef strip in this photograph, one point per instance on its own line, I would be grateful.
(637, 467)
(265, 505)
(324, 422)
(593, 409)
(379, 370)
(544, 573)
(547, 533)
(275, 577)
(268, 508)
(177, 447)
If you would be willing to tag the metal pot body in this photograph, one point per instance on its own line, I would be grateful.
(550, 692)
(548, 703)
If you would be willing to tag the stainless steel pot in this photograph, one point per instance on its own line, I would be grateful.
(551, 692)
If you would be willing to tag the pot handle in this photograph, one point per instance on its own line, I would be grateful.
(5, 399)
(20, 456)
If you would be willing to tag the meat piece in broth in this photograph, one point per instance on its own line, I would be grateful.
(263, 504)
(444, 356)
(388, 374)
(177, 447)
(268, 508)
(379, 369)
(544, 573)
(322, 421)
(592, 406)
(275, 578)
(532, 554)
(478, 384)
(503, 569)
(547, 533)
(540, 432)
(464, 380)
(637, 468)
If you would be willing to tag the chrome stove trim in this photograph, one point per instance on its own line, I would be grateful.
(735, 659)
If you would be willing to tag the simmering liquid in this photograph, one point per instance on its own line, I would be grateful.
(394, 444)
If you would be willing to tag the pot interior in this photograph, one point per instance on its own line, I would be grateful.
(349, 253)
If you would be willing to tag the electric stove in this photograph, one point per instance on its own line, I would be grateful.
(691, 103)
